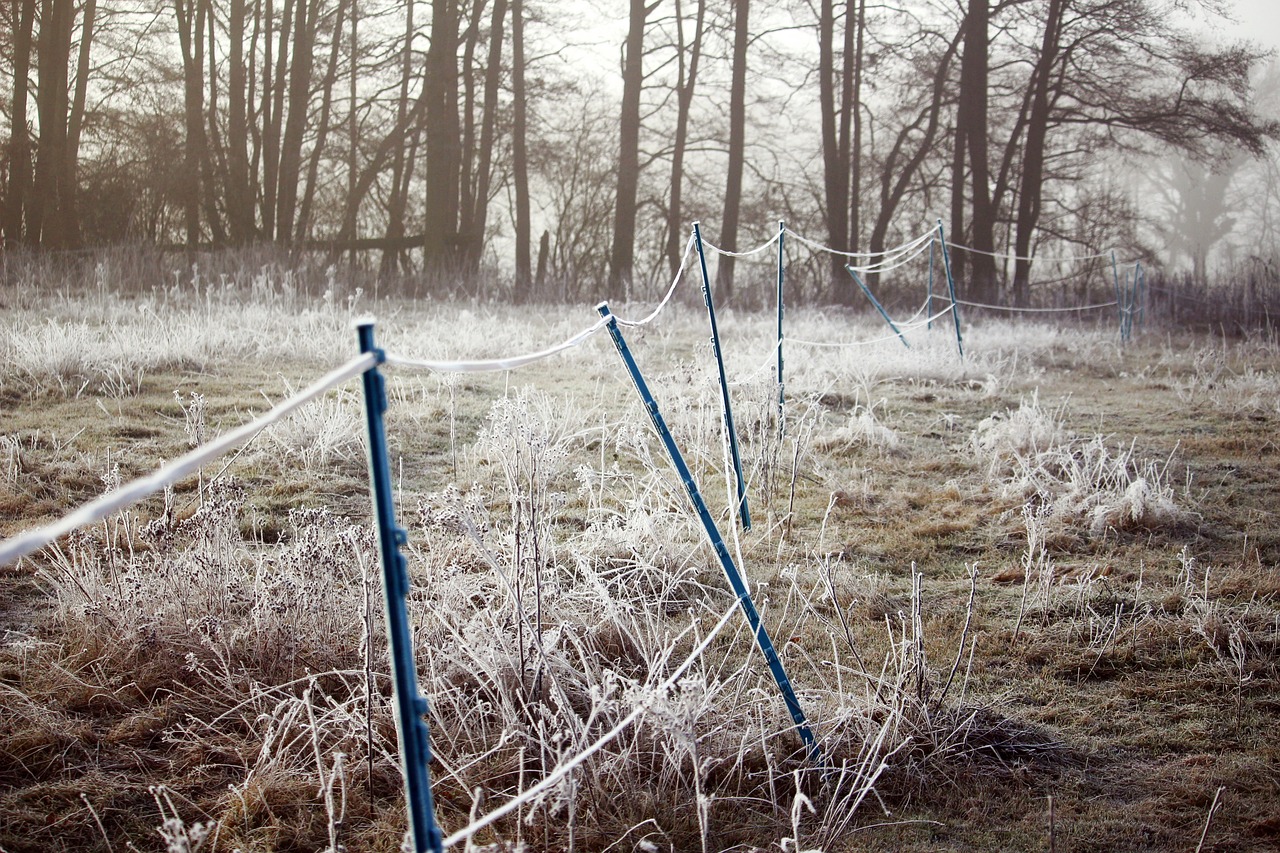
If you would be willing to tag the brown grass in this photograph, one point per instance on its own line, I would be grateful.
(218, 648)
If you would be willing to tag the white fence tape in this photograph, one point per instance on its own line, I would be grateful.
(907, 323)
(554, 777)
(516, 361)
(684, 261)
(757, 250)
(897, 250)
(902, 327)
(1011, 309)
(32, 540)
(493, 364)
(1062, 259)
(172, 472)
(889, 264)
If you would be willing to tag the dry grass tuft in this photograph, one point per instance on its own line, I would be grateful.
(978, 610)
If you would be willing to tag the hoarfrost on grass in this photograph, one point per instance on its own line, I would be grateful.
(1081, 480)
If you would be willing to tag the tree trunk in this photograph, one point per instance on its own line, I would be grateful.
(214, 165)
(478, 222)
(622, 256)
(255, 115)
(855, 166)
(441, 220)
(19, 137)
(399, 189)
(1012, 148)
(239, 194)
(302, 228)
(75, 124)
(469, 39)
(519, 152)
(544, 252)
(1033, 157)
(304, 38)
(835, 169)
(972, 115)
(843, 287)
(351, 211)
(684, 99)
(737, 149)
(273, 109)
(955, 234)
(46, 213)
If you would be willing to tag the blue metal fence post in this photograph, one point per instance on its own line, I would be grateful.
(951, 286)
(717, 542)
(1133, 301)
(876, 302)
(410, 705)
(1140, 285)
(1129, 288)
(743, 513)
(928, 311)
(782, 233)
(1115, 279)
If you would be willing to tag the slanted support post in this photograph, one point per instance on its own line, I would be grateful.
(1140, 285)
(717, 542)
(876, 302)
(1115, 280)
(951, 286)
(410, 705)
(928, 311)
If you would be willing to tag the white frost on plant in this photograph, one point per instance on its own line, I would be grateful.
(1080, 480)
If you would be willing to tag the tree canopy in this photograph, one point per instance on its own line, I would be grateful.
(450, 136)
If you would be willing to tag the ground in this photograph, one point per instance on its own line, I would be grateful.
(1030, 598)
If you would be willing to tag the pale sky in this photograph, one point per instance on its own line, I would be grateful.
(1259, 21)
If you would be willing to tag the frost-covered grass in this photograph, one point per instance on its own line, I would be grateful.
(978, 573)
(1076, 480)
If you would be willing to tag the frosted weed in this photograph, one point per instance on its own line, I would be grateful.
(1081, 480)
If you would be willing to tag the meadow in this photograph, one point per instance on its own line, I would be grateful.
(1029, 598)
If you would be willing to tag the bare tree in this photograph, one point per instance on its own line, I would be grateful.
(835, 145)
(520, 152)
(737, 148)
(303, 222)
(622, 255)
(19, 159)
(239, 192)
(686, 81)
(400, 162)
(1114, 73)
(305, 28)
(971, 140)
(51, 217)
(1198, 208)
(440, 225)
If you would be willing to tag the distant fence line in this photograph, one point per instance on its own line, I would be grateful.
(1133, 299)
(1246, 299)
(1250, 305)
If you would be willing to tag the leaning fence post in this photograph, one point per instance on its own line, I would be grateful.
(928, 311)
(410, 704)
(782, 233)
(951, 286)
(876, 302)
(1115, 279)
(1130, 290)
(743, 513)
(1140, 284)
(717, 541)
